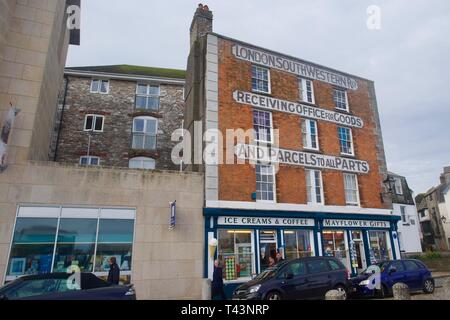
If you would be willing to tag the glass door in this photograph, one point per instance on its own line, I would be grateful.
(268, 249)
(358, 256)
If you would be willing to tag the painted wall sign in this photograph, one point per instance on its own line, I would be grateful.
(293, 66)
(302, 159)
(269, 222)
(272, 104)
(335, 223)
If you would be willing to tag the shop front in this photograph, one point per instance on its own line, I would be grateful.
(248, 241)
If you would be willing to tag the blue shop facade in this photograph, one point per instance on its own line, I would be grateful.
(246, 240)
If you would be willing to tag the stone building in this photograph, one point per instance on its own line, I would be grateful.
(434, 212)
(119, 116)
(404, 206)
(311, 175)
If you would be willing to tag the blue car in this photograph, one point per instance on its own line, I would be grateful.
(62, 286)
(411, 272)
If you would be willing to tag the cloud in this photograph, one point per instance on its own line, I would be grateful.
(409, 58)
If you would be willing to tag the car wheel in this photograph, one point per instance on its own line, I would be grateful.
(274, 295)
(428, 286)
(343, 289)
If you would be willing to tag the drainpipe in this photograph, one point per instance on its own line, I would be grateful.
(61, 118)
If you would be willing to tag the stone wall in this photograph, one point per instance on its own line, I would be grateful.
(166, 264)
(6, 10)
(113, 145)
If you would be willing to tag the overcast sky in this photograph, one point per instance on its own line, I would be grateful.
(409, 58)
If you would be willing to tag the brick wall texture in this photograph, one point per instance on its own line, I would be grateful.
(238, 182)
(113, 145)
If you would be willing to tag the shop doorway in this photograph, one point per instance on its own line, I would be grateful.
(268, 246)
(358, 255)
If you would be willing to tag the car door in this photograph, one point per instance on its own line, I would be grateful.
(319, 278)
(413, 275)
(399, 275)
(296, 287)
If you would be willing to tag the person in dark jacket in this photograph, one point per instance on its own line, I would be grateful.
(217, 282)
(114, 271)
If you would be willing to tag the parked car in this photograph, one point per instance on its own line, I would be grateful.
(411, 272)
(306, 278)
(63, 286)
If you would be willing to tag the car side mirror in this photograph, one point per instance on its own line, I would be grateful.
(289, 276)
(392, 270)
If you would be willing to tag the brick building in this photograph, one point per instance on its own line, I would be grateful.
(323, 191)
(119, 116)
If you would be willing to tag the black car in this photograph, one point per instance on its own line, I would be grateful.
(307, 278)
(63, 286)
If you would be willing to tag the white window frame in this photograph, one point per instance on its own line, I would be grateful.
(259, 126)
(311, 173)
(146, 119)
(89, 161)
(347, 106)
(352, 151)
(142, 160)
(303, 90)
(398, 186)
(404, 215)
(94, 120)
(269, 86)
(306, 130)
(274, 184)
(358, 203)
(99, 86)
(148, 95)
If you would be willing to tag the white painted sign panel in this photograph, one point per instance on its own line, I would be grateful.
(269, 222)
(268, 155)
(272, 104)
(365, 224)
(294, 66)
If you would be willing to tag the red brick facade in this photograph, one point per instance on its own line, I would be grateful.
(238, 182)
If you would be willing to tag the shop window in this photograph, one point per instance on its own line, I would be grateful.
(32, 247)
(314, 186)
(145, 131)
(94, 123)
(260, 79)
(147, 97)
(351, 189)
(297, 244)
(334, 245)
(265, 183)
(236, 253)
(306, 88)
(346, 141)
(398, 186)
(378, 247)
(100, 86)
(142, 163)
(310, 134)
(262, 124)
(90, 161)
(340, 98)
(76, 245)
(74, 237)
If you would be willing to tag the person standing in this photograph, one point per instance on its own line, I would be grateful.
(217, 282)
(114, 271)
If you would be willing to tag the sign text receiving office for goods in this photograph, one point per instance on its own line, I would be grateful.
(269, 222)
(331, 223)
(297, 158)
(292, 66)
(272, 104)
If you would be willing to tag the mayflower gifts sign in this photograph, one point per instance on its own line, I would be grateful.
(338, 223)
(298, 158)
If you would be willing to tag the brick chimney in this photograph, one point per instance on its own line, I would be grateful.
(202, 23)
